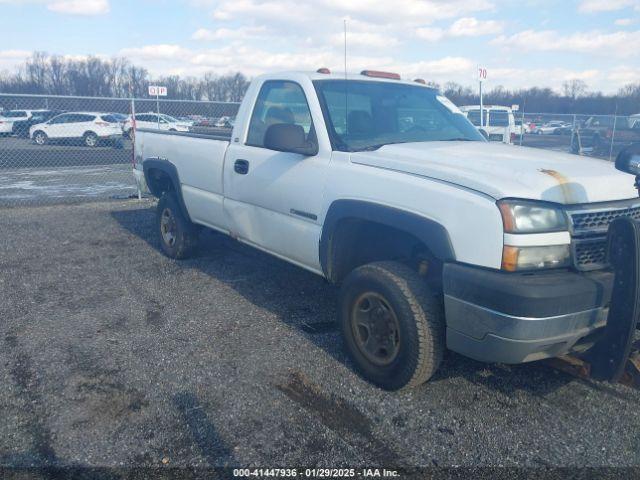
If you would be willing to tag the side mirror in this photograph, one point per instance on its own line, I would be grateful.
(628, 160)
(287, 137)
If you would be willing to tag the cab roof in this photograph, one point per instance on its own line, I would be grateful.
(313, 76)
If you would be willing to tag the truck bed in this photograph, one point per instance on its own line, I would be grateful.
(199, 159)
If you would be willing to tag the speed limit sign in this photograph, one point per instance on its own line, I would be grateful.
(482, 74)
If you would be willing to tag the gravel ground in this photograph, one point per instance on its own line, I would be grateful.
(113, 355)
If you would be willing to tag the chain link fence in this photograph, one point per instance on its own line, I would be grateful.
(600, 136)
(60, 149)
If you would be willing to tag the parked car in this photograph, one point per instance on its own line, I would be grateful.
(154, 121)
(21, 127)
(604, 134)
(438, 238)
(554, 128)
(224, 122)
(89, 128)
(9, 117)
(521, 128)
(498, 124)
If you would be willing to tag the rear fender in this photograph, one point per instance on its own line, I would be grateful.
(152, 167)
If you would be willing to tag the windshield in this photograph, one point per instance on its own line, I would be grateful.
(168, 118)
(368, 115)
(499, 118)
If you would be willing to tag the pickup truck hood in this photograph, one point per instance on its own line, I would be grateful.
(504, 171)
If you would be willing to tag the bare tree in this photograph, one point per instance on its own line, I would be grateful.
(574, 88)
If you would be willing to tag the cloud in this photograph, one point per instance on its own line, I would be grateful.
(156, 52)
(595, 6)
(225, 34)
(472, 27)
(463, 27)
(10, 59)
(430, 34)
(70, 7)
(592, 42)
(80, 7)
(325, 12)
(624, 75)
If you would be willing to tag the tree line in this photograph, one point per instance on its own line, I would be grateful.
(118, 77)
(575, 98)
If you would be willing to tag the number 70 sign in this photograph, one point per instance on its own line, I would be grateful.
(482, 74)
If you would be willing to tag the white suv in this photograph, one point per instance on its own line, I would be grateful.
(91, 128)
(498, 125)
(7, 118)
(153, 121)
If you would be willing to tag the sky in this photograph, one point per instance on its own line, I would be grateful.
(521, 43)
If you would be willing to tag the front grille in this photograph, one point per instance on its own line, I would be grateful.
(589, 229)
(599, 221)
(590, 254)
(496, 137)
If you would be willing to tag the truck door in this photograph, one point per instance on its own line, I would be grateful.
(274, 199)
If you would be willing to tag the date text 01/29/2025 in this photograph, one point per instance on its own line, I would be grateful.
(315, 472)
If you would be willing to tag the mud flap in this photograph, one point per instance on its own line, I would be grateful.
(608, 357)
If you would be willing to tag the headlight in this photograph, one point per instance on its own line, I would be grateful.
(534, 258)
(521, 216)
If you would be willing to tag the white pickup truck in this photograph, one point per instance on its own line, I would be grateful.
(438, 238)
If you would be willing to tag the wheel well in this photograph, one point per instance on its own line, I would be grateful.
(159, 182)
(356, 242)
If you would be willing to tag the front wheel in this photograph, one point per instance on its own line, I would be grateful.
(178, 236)
(40, 138)
(90, 139)
(393, 325)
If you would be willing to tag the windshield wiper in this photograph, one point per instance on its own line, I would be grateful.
(460, 139)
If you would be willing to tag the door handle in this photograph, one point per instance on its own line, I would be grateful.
(241, 167)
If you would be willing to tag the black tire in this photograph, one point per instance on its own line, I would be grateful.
(90, 140)
(40, 138)
(183, 238)
(419, 317)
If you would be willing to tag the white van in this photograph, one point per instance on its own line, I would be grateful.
(498, 125)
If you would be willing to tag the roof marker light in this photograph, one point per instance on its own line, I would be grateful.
(378, 74)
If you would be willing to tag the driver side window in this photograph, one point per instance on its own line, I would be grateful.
(59, 119)
(278, 102)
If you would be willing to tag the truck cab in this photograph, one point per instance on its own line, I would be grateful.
(437, 238)
(497, 125)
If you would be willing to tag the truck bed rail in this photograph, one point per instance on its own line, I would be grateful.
(212, 136)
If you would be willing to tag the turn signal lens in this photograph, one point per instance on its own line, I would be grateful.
(534, 258)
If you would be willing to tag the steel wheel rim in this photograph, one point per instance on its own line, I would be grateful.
(168, 227)
(375, 329)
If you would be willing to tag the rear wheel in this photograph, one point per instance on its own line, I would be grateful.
(393, 326)
(90, 139)
(40, 138)
(178, 236)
